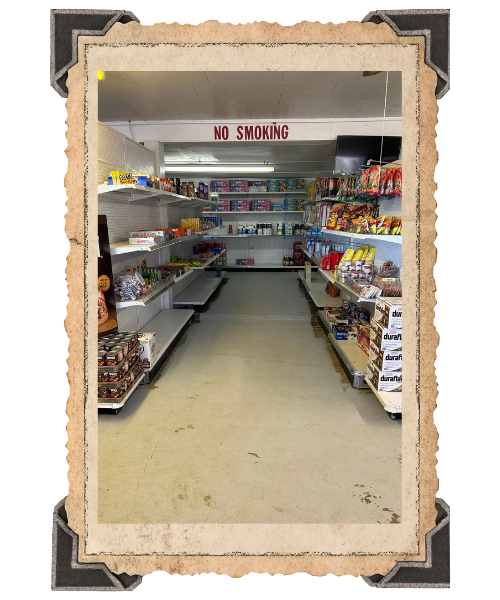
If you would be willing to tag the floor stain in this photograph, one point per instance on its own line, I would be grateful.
(184, 428)
(253, 454)
(278, 509)
(395, 518)
(366, 498)
(207, 500)
(387, 509)
(358, 485)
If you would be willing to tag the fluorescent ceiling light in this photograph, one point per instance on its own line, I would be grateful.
(221, 169)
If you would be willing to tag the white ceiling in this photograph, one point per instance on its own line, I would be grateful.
(191, 95)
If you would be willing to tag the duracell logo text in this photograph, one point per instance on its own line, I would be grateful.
(391, 378)
(393, 336)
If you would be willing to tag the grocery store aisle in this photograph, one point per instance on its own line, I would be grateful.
(252, 420)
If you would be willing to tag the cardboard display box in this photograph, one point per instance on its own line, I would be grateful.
(384, 381)
(389, 312)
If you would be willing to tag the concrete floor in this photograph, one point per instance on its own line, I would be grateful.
(252, 420)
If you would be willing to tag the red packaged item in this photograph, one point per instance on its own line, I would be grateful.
(383, 181)
(398, 182)
(326, 263)
(389, 183)
(373, 181)
(363, 182)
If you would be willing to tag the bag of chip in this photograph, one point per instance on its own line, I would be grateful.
(398, 182)
(383, 181)
(389, 183)
(363, 182)
(373, 181)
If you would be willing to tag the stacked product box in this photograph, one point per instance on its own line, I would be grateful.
(277, 185)
(279, 207)
(260, 205)
(217, 221)
(348, 322)
(257, 186)
(314, 232)
(238, 185)
(240, 205)
(220, 185)
(245, 261)
(385, 359)
(294, 185)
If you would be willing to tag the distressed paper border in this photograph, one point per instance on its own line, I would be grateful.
(355, 549)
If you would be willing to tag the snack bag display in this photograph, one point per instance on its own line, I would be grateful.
(363, 182)
(398, 182)
(347, 257)
(373, 181)
(395, 226)
(389, 182)
(383, 181)
(370, 257)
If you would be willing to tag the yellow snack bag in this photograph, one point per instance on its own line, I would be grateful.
(348, 254)
(370, 256)
(358, 255)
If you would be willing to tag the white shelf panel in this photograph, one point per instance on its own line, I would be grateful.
(328, 276)
(253, 212)
(265, 266)
(391, 401)
(263, 194)
(394, 239)
(354, 358)
(184, 275)
(316, 289)
(137, 192)
(311, 257)
(167, 324)
(200, 290)
(155, 293)
(207, 262)
(246, 235)
(124, 247)
(131, 390)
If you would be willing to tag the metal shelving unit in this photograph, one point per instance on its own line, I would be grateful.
(200, 290)
(251, 212)
(353, 359)
(157, 291)
(316, 290)
(207, 262)
(328, 276)
(391, 401)
(124, 247)
(140, 192)
(394, 239)
(131, 390)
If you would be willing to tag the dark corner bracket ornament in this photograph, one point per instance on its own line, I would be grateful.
(70, 575)
(434, 572)
(65, 27)
(434, 25)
